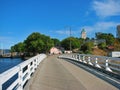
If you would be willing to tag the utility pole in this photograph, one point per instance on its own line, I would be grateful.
(70, 38)
(69, 30)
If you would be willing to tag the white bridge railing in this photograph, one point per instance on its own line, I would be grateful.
(107, 63)
(16, 77)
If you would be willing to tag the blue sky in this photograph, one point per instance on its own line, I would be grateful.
(20, 18)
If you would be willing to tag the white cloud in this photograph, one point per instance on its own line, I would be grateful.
(106, 8)
(105, 27)
(102, 26)
(63, 32)
(66, 32)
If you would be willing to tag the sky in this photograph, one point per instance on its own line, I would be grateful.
(54, 18)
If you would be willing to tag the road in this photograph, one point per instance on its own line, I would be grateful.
(58, 74)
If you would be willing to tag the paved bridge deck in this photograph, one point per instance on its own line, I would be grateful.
(58, 74)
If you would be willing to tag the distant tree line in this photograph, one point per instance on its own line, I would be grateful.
(39, 43)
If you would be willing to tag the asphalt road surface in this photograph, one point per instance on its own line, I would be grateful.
(58, 74)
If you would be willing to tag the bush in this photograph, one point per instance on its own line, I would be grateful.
(102, 45)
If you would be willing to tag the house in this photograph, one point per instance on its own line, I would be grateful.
(55, 50)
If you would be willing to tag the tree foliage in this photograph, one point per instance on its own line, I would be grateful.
(107, 36)
(87, 47)
(56, 42)
(20, 47)
(75, 43)
(38, 43)
(117, 45)
(34, 43)
(102, 45)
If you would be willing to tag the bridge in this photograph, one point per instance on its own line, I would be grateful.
(64, 72)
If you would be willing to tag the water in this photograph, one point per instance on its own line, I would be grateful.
(7, 63)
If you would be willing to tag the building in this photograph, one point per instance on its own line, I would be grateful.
(83, 34)
(55, 50)
(97, 41)
(118, 31)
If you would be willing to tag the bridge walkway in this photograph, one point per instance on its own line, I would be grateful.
(58, 74)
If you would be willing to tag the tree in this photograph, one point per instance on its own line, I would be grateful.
(87, 47)
(117, 45)
(108, 37)
(56, 42)
(18, 47)
(38, 43)
(87, 39)
(34, 43)
(74, 43)
(102, 45)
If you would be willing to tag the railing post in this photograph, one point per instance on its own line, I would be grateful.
(84, 59)
(33, 66)
(72, 55)
(20, 78)
(29, 71)
(96, 63)
(37, 62)
(80, 58)
(107, 65)
(89, 61)
(75, 57)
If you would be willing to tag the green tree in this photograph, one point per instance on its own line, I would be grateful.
(38, 43)
(56, 42)
(18, 47)
(34, 43)
(48, 43)
(117, 45)
(102, 45)
(75, 43)
(87, 47)
(107, 36)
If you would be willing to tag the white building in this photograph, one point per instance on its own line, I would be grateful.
(83, 34)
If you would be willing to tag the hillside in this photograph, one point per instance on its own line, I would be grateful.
(97, 51)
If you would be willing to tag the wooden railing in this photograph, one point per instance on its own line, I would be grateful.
(16, 77)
